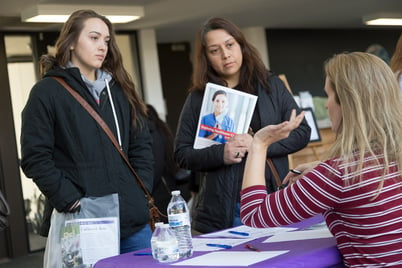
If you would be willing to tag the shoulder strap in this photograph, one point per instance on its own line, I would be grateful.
(278, 181)
(105, 128)
(271, 165)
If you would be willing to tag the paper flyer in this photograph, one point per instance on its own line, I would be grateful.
(85, 241)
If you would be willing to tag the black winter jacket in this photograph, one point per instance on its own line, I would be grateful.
(69, 156)
(220, 184)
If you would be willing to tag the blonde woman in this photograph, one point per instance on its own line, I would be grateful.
(358, 188)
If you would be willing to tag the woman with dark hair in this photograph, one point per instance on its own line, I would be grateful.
(224, 57)
(65, 151)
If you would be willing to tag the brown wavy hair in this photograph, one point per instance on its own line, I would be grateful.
(113, 63)
(252, 70)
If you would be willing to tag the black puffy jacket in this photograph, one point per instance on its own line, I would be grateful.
(69, 156)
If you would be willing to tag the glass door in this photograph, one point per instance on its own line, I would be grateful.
(22, 76)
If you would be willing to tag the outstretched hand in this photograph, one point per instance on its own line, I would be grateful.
(274, 133)
(254, 172)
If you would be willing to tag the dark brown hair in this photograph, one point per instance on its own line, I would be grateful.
(113, 63)
(218, 92)
(252, 70)
(163, 129)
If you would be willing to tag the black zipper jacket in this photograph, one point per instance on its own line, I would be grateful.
(69, 156)
(220, 184)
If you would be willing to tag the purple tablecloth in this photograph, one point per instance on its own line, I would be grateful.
(311, 253)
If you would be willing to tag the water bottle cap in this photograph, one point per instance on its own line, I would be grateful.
(159, 223)
(165, 225)
(176, 192)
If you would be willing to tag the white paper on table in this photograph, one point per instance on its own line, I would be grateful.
(300, 235)
(253, 232)
(98, 237)
(316, 226)
(200, 244)
(230, 258)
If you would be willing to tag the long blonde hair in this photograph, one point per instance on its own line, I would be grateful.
(371, 105)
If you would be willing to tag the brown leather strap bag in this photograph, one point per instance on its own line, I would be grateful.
(278, 181)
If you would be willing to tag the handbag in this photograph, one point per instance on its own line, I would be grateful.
(4, 212)
(154, 213)
(278, 181)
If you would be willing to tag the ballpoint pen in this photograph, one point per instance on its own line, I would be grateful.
(142, 254)
(239, 233)
(219, 246)
(250, 247)
(295, 171)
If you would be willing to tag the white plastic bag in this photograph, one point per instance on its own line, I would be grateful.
(79, 240)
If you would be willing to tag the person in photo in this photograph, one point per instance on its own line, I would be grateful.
(214, 123)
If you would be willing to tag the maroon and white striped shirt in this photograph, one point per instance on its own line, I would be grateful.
(367, 227)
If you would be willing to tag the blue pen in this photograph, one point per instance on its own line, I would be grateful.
(142, 254)
(239, 233)
(219, 246)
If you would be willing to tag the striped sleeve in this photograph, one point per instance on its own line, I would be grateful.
(310, 195)
(365, 221)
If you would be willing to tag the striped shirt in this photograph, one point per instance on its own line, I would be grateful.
(367, 224)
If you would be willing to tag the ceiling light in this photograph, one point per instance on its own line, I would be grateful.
(383, 19)
(54, 13)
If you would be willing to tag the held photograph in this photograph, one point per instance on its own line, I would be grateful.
(224, 113)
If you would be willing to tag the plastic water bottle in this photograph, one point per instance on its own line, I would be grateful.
(179, 222)
(164, 244)
(154, 238)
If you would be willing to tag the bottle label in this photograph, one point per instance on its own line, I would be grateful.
(167, 251)
(167, 247)
(176, 220)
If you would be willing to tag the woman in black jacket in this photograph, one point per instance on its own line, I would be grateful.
(223, 56)
(65, 151)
